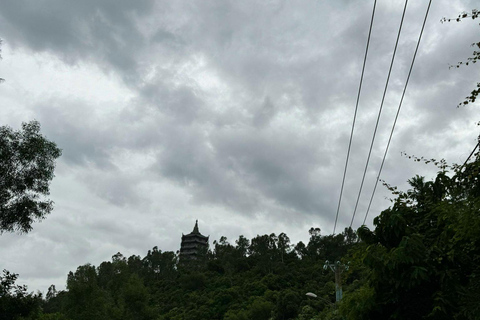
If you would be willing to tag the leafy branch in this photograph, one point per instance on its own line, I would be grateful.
(474, 14)
(441, 164)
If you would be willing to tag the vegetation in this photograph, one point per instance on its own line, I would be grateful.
(27, 163)
(421, 260)
(15, 301)
(257, 279)
(474, 14)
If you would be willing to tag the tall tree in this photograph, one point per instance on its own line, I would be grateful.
(27, 163)
(15, 301)
(86, 300)
(424, 251)
(283, 245)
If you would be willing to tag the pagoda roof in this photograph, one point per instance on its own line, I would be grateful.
(195, 232)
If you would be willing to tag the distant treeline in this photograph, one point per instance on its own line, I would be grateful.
(258, 279)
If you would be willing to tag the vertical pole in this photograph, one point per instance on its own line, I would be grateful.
(338, 283)
(337, 268)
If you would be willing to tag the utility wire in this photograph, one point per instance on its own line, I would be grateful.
(380, 111)
(355, 114)
(398, 111)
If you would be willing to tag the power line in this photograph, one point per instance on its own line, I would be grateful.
(471, 154)
(380, 111)
(398, 110)
(355, 115)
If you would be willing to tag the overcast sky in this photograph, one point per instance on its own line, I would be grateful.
(235, 113)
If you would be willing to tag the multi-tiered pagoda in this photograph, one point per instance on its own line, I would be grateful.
(193, 244)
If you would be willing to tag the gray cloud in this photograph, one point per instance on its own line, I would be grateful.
(75, 31)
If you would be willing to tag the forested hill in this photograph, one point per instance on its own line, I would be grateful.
(246, 279)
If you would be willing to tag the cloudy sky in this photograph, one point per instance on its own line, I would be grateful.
(235, 113)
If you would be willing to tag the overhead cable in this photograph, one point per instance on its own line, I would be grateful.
(380, 111)
(471, 154)
(398, 110)
(355, 114)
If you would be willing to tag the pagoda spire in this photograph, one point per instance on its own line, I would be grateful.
(195, 229)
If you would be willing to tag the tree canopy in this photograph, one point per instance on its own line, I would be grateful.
(422, 256)
(27, 163)
(261, 278)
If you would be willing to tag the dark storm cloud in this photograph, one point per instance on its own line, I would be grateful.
(263, 161)
(76, 30)
(83, 138)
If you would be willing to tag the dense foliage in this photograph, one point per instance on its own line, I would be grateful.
(422, 258)
(27, 163)
(262, 278)
(15, 301)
